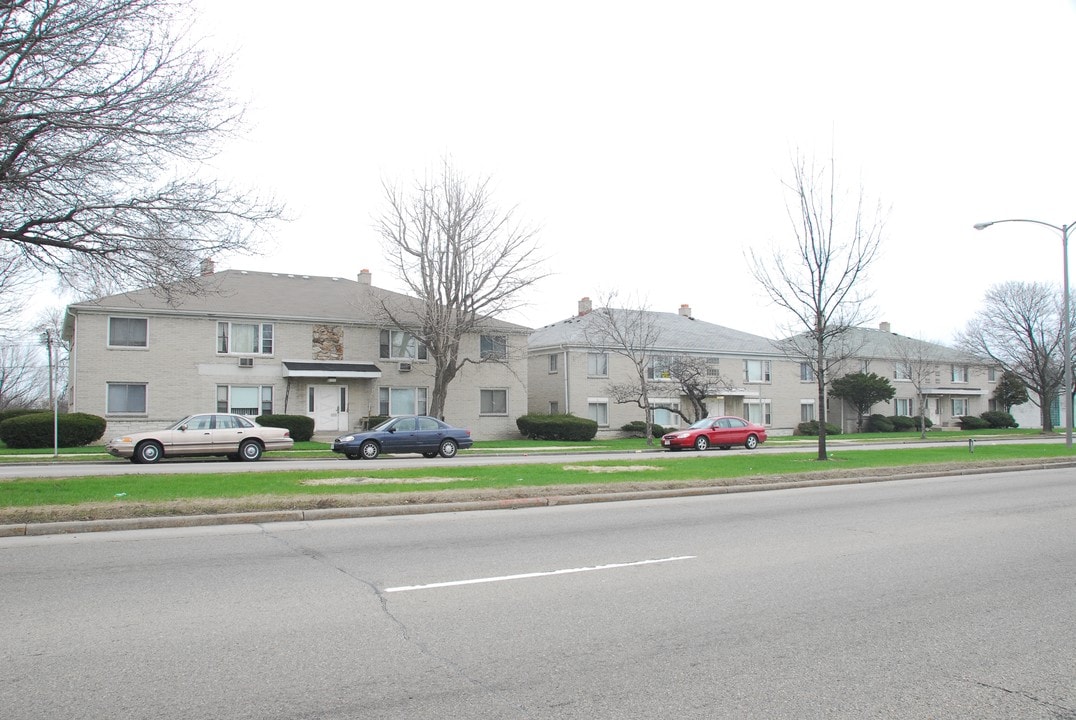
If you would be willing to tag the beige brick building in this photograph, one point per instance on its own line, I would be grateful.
(257, 343)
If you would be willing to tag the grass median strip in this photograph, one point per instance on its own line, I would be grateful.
(364, 478)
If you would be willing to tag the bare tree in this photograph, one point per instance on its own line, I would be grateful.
(632, 333)
(107, 110)
(821, 282)
(1020, 328)
(464, 259)
(919, 362)
(698, 378)
(23, 375)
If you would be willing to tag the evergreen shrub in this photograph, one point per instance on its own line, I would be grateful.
(301, 427)
(999, 419)
(970, 422)
(879, 424)
(35, 430)
(811, 428)
(902, 423)
(557, 427)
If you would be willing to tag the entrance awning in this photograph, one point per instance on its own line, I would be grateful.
(329, 368)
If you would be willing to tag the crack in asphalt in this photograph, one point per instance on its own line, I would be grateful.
(405, 633)
(1059, 711)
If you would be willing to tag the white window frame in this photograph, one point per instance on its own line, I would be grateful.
(763, 367)
(806, 372)
(488, 404)
(493, 347)
(108, 398)
(906, 403)
(126, 345)
(758, 411)
(663, 410)
(598, 410)
(390, 400)
(597, 364)
(226, 395)
(960, 373)
(392, 342)
(963, 402)
(902, 371)
(553, 363)
(807, 411)
(264, 338)
(659, 367)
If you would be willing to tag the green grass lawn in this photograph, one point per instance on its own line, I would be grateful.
(365, 477)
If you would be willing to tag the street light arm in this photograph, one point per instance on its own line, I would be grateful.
(1059, 228)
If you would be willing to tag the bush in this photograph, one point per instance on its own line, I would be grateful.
(903, 423)
(970, 422)
(999, 419)
(879, 424)
(638, 428)
(557, 427)
(811, 428)
(929, 422)
(4, 415)
(35, 430)
(301, 427)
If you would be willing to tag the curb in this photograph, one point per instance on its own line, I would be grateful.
(273, 516)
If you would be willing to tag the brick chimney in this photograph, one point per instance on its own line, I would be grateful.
(364, 277)
(685, 310)
(585, 306)
(884, 327)
(207, 266)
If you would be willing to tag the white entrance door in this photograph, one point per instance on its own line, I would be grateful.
(328, 407)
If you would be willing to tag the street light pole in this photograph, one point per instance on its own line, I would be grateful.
(1066, 320)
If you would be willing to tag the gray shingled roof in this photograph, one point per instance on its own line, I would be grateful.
(277, 296)
(676, 333)
(875, 343)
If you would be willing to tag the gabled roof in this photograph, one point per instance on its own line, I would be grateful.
(676, 333)
(271, 296)
(873, 343)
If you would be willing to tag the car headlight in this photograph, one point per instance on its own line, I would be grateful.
(683, 435)
(346, 438)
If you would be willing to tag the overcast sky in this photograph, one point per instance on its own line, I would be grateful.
(650, 141)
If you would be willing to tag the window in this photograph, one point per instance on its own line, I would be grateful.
(493, 402)
(757, 411)
(992, 374)
(960, 406)
(598, 411)
(245, 399)
(902, 406)
(553, 362)
(756, 371)
(807, 410)
(902, 371)
(597, 365)
(554, 407)
(864, 366)
(664, 413)
(960, 373)
(401, 401)
(494, 347)
(806, 372)
(659, 368)
(399, 344)
(127, 332)
(244, 338)
(125, 398)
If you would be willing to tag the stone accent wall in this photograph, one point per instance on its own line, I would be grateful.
(328, 342)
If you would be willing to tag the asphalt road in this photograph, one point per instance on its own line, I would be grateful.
(938, 598)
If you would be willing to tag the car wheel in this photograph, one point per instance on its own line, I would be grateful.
(148, 452)
(430, 454)
(369, 450)
(352, 456)
(250, 450)
(448, 448)
(702, 443)
(752, 442)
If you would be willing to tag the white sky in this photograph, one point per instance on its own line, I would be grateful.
(649, 141)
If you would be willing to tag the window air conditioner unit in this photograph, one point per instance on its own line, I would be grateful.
(405, 367)
(246, 362)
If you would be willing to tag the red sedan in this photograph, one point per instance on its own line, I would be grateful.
(723, 432)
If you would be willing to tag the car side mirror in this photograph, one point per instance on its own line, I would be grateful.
(183, 428)
(392, 429)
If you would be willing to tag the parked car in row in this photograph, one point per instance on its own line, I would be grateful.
(236, 437)
(722, 432)
(405, 434)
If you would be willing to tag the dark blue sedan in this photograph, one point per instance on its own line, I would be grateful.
(405, 434)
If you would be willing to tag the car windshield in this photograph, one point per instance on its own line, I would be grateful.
(699, 424)
(177, 423)
(385, 425)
